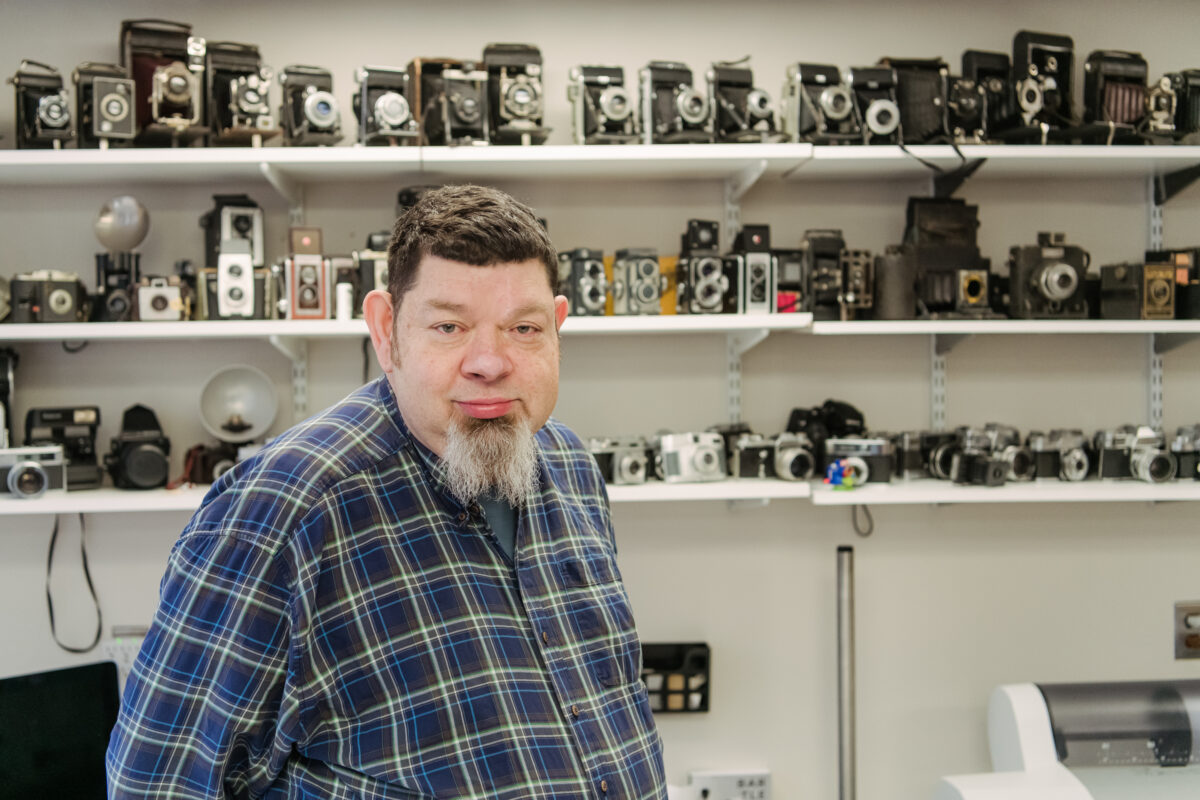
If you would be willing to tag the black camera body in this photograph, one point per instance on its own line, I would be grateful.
(452, 98)
(673, 111)
(922, 87)
(817, 106)
(238, 92)
(1114, 96)
(822, 250)
(116, 275)
(166, 64)
(204, 463)
(741, 111)
(1186, 449)
(383, 106)
(832, 419)
(516, 95)
(582, 272)
(138, 455)
(43, 110)
(602, 109)
(1042, 68)
(966, 111)
(1137, 291)
(310, 114)
(705, 283)
(876, 106)
(951, 274)
(1186, 85)
(73, 429)
(48, 295)
(992, 74)
(1046, 280)
(1063, 454)
(104, 97)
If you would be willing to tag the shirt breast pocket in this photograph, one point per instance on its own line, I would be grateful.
(598, 608)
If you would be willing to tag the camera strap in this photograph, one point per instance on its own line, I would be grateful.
(87, 577)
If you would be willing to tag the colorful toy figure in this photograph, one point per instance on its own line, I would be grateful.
(841, 474)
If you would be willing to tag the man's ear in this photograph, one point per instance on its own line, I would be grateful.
(377, 311)
(560, 311)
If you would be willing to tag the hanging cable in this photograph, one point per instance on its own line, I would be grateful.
(863, 532)
(87, 574)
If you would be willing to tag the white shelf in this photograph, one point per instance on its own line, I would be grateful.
(687, 323)
(105, 501)
(742, 489)
(1003, 326)
(930, 492)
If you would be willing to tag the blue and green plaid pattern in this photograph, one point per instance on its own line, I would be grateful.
(333, 624)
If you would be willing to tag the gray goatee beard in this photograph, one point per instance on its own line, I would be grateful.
(497, 457)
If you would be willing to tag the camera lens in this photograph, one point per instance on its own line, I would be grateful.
(145, 466)
(941, 460)
(159, 302)
(973, 289)
(647, 268)
(1020, 463)
(117, 303)
(114, 107)
(392, 110)
(793, 464)
(1159, 292)
(835, 102)
(759, 104)
(646, 292)
(1057, 282)
(706, 461)
(520, 100)
(1074, 465)
(308, 296)
(27, 479)
(614, 103)
(320, 109)
(53, 111)
(466, 105)
(236, 294)
(691, 106)
(308, 274)
(1152, 466)
(857, 470)
(60, 302)
(883, 117)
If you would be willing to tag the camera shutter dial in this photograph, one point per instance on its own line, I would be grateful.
(27, 479)
(522, 98)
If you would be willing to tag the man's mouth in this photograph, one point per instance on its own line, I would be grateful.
(485, 409)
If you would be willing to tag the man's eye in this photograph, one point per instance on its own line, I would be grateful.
(447, 327)
(526, 329)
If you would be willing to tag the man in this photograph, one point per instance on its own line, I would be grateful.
(413, 594)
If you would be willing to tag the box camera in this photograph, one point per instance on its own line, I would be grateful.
(1137, 291)
(74, 431)
(966, 111)
(1187, 278)
(817, 107)
(638, 282)
(1042, 65)
(1161, 107)
(621, 461)
(690, 457)
(233, 216)
(516, 98)
(741, 111)
(166, 64)
(703, 280)
(673, 111)
(922, 86)
(239, 95)
(787, 456)
(1062, 454)
(586, 284)
(48, 295)
(942, 233)
(875, 104)
(116, 275)
(872, 459)
(791, 283)
(137, 457)
(310, 113)
(1114, 96)
(1046, 280)
(602, 109)
(29, 472)
(752, 267)
(161, 298)
(1186, 86)
(1186, 449)
(306, 274)
(992, 74)
(383, 106)
(234, 289)
(104, 105)
(822, 250)
(858, 283)
(43, 110)
(1131, 451)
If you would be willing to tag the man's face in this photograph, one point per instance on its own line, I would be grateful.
(474, 342)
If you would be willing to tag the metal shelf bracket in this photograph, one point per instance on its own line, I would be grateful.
(1171, 184)
(945, 184)
(943, 343)
(289, 189)
(937, 385)
(296, 350)
(1154, 384)
(736, 186)
(737, 345)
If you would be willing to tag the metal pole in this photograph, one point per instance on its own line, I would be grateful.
(845, 615)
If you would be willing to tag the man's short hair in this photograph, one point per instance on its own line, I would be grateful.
(474, 225)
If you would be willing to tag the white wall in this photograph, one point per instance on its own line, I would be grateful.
(951, 600)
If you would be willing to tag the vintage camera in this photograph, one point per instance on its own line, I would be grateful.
(703, 284)
(971, 293)
(822, 251)
(1186, 86)
(74, 430)
(104, 105)
(454, 101)
(1060, 455)
(372, 263)
(586, 284)
(8, 369)
(1186, 449)
(343, 273)
(29, 472)
(138, 455)
(204, 463)
(5, 299)
(992, 74)
(922, 85)
(968, 459)
(1042, 65)
(638, 282)
(1006, 445)
(1046, 280)
(1132, 451)
(233, 216)
(239, 95)
(912, 451)
(161, 298)
(310, 113)
(858, 283)
(1114, 95)
(516, 98)
(1137, 291)
(817, 106)
(673, 111)
(48, 295)
(621, 461)
(166, 64)
(602, 109)
(875, 104)
(383, 106)
(1162, 105)
(741, 111)
(873, 458)
(966, 111)
(1187, 278)
(43, 110)
(832, 419)
(787, 456)
(754, 267)
(118, 270)
(306, 273)
(234, 289)
(689, 457)
(942, 233)
(791, 283)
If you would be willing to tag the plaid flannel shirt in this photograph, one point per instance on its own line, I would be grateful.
(333, 624)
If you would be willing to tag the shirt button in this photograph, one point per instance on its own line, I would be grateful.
(545, 638)
(462, 517)
(574, 711)
(604, 786)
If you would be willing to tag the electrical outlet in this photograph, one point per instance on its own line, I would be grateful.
(1187, 630)
(748, 785)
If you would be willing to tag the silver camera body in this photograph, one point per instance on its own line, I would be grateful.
(690, 457)
(672, 110)
(872, 459)
(1005, 444)
(1135, 451)
(603, 111)
(310, 113)
(235, 280)
(1062, 454)
(621, 461)
(1161, 105)
(160, 298)
(816, 106)
(638, 283)
(28, 472)
(586, 284)
(385, 113)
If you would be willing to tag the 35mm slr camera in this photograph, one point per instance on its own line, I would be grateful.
(1132, 451)
(137, 457)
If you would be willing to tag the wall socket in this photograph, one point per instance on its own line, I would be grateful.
(748, 785)
(1187, 630)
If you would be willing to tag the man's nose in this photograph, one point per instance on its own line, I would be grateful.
(487, 356)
